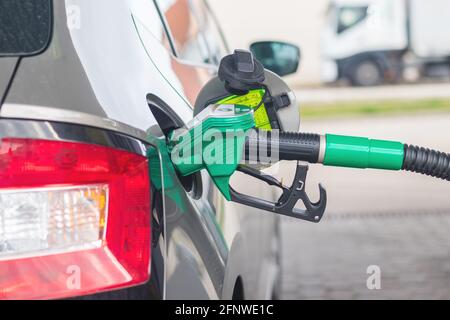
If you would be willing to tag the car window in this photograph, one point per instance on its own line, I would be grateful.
(146, 15)
(191, 28)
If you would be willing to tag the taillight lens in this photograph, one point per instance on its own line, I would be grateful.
(74, 219)
(37, 221)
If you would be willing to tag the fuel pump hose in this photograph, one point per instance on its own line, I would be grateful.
(348, 151)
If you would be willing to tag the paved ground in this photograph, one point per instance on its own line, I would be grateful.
(407, 92)
(399, 222)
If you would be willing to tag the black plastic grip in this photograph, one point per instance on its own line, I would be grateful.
(291, 145)
(428, 162)
(299, 146)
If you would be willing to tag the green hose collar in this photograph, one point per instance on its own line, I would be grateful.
(359, 152)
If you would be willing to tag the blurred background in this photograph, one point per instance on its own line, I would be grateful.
(377, 68)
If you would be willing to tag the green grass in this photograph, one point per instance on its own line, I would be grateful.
(370, 108)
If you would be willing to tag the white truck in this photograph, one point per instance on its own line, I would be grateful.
(370, 42)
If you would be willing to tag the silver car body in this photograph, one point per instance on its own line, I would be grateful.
(107, 64)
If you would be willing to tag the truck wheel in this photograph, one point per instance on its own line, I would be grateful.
(366, 74)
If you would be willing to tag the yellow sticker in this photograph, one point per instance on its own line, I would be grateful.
(252, 99)
(261, 118)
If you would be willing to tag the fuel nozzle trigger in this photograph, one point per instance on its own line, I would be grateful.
(285, 205)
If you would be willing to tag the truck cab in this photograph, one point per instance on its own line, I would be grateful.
(355, 44)
(369, 42)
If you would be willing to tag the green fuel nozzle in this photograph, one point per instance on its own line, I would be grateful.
(357, 152)
(239, 121)
(334, 150)
(223, 139)
(214, 140)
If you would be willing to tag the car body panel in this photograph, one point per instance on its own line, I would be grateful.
(7, 66)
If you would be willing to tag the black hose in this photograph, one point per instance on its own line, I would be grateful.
(291, 145)
(428, 162)
(306, 147)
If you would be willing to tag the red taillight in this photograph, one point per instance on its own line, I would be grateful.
(74, 219)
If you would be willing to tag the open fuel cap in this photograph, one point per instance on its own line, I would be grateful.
(241, 72)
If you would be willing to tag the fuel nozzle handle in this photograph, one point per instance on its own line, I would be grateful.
(351, 152)
(289, 145)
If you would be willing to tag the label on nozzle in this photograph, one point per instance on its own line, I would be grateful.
(252, 100)
(224, 116)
